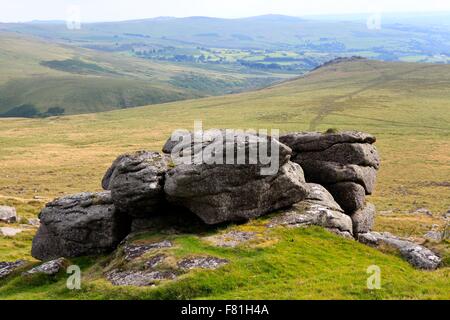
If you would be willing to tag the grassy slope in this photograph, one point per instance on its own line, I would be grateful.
(405, 105)
(121, 82)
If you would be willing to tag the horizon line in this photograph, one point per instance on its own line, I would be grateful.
(56, 20)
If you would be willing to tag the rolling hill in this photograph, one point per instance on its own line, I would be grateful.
(47, 75)
(405, 105)
(411, 38)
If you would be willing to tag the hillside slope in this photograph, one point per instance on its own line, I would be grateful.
(47, 75)
(405, 105)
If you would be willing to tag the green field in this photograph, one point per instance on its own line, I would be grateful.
(47, 75)
(405, 105)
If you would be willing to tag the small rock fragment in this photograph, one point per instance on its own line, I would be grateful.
(49, 268)
(8, 214)
(9, 232)
(7, 268)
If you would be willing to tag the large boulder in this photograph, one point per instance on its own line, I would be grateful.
(136, 182)
(238, 188)
(417, 255)
(346, 163)
(79, 225)
(8, 214)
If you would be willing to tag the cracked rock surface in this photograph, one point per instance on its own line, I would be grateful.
(318, 209)
(346, 163)
(220, 193)
(79, 225)
(136, 182)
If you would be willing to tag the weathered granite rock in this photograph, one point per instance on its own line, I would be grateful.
(7, 268)
(136, 182)
(306, 214)
(138, 278)
(133, 251)
(34, 222)
(346, 163)
(321, 196)
(417, 255)
(155, 261)
(8, 214)
(316, 141)
(350, 196)
(434, 236)
(365, 155)
(328, 173)
(79, 225)
(49, 268)
(234, 192)
(239, 147)
(318, 209)
(202, 263)
(10, 232)
(225, 193)
(446, 232)
(364, 219)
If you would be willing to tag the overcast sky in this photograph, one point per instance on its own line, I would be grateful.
(114, 10)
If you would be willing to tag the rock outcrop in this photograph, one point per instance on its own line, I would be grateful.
(345, 163)
(234, 192)
(136, 182)
(417, 255)
(77, 225)
(8, 214)
(224, 178)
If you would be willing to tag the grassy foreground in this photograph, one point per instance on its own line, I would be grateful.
(405, 105)
(295, 264)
